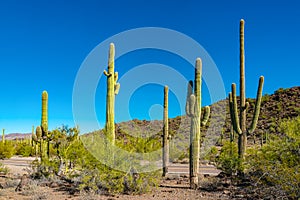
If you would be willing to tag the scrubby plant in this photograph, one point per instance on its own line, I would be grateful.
(277, 162)
(3, 169)
(228, 160)
(24, 149)
(212, 154)
(7, 150)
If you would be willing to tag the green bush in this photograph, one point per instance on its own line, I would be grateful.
(24, 149)
(3, 169)
(212, 154)
(228, 160)
(277, 163)
(7, 150)
(77, 164)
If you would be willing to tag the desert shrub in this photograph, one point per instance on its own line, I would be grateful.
(277, 163)
(7, 150)
(228, 160)
(3, 169)
(212, 154)
(89, 174)
(24, 149)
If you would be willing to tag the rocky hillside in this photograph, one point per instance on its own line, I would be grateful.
(283, 104)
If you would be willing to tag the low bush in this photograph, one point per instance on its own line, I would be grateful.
(228, 160)
(24, 149)
(277, 163)
(7, 150)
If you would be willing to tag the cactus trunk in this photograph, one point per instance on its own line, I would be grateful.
(193, 110)
(194, 149)
(112, 90)
(165, 133)
(44, 125)
(242, 140)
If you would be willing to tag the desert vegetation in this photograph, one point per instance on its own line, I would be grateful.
(259, 162)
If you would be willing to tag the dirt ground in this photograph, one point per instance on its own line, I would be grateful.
(175, 187)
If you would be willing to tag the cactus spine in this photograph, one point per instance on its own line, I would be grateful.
(165, 133)
(112, 90)
(3, 136)
(193, 110)
(239, 123)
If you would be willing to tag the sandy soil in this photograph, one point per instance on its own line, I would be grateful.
(175, 187)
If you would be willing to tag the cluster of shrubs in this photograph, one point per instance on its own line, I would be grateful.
(70, 161)
(275, 165)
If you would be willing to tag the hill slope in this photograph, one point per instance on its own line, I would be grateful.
(283, 104)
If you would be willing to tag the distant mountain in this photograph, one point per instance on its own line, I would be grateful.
(14, 136)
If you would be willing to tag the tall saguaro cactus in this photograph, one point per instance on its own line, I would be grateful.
(165, 132)
(239, 123)
(112, 90)
(193, 110)
(42, 133)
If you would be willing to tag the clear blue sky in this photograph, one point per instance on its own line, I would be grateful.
(43, 44)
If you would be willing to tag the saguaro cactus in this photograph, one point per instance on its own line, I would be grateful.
(3, 136)
(165, 133)
(38, 138)
(239, 123)
(43, 136)
(112, 90)
(193, 110)
(44, 122)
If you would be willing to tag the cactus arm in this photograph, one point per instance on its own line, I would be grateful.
(117, 88)
(257, 105)
(235, 121)
(189, 93)
(247, 105)
(205, 115)
(34, 138)
(231, 111)
(192, 106)
(106, 73)
(38, 132)
(117, 85)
